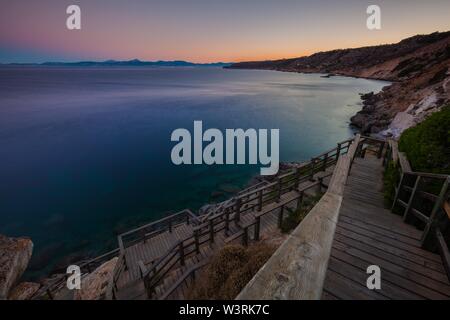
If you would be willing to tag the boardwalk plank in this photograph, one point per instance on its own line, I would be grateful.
(368, 234)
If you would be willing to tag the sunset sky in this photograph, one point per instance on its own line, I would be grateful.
(205, 30)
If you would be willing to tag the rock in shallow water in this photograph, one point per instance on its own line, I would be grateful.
(15, 253)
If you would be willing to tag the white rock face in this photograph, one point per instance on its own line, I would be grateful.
(415, 114)
(15, 253)
(93, 286)
(401, 122)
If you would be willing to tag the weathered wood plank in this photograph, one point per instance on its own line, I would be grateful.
(388, 290)
(347, 289)
(297, 269)
(413, 257)
(404, 163)
(399, 270)
(387, 275)
(394, 259)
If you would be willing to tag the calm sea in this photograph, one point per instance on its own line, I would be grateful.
(85, 152)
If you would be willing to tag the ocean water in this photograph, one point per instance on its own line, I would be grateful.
(85, 152)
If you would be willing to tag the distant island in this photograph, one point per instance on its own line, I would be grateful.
(131, 63)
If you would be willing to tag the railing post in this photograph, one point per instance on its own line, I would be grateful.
(325, 159)
(300, 200)
(387, 156)
(237, 216)
(257, 228)
(427, 237)
(260, 199)
(170, 225)
(338, 151)
(50, 295)
(280, 217)
(142, 270)
(211, 230)
(279, 190)
(245, 237)
(197, 246)
(359, 149)
(319, 185)
(397, 193)
(411, 199)
(187, 219)
(313, 164)
(181, 251)
(227, 221)
(297, 179)
(380, 151)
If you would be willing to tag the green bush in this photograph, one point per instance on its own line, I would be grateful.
(296, 216)
(427, 145)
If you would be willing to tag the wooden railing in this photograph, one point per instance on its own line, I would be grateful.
(178, 254)
(282, 206)
(302, 260)
(152, 229)
(374, 145)
(49, 290)
(189, 274)
(287, 182)
(424, 200)
(253, 200)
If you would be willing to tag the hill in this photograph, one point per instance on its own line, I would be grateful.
(418, 66)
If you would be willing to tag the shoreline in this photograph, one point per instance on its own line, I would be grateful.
(417, 67)
(367, 103)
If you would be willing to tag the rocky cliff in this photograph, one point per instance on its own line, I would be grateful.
(417, 66)
(15, 253)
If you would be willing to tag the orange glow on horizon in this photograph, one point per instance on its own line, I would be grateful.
(206, 31)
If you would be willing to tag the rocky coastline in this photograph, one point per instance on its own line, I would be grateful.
(418, 68)
(15, 254)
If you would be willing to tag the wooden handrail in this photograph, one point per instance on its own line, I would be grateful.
(163, 261)
(243, 203)
(431, 235)
(427, 175)
(168, 218)
(303, 258)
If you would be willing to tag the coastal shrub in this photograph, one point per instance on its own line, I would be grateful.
(296, 216)
(229, 271)
(427, 145)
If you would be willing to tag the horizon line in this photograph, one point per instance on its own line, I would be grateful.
(305, 54)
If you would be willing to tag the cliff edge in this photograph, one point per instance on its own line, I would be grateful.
(15, 253)
(418, 67)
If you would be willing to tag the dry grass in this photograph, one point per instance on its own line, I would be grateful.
(229, 271)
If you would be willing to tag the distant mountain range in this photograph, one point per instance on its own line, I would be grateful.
(134, 63)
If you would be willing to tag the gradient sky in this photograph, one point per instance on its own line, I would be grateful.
(205, 30)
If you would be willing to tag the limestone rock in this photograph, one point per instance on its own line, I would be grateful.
(94, 285)
(24, 291)
(15, 253)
